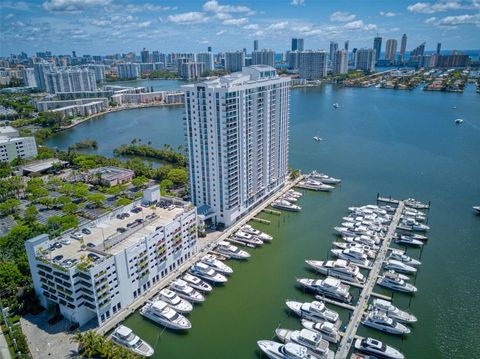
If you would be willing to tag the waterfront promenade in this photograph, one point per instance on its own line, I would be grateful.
(204, 247)
(350, 333)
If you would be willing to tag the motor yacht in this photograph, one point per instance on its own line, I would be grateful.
(458, 121)
(393, 281)
(367, 240)
(388, 208)
(327, 330)
(316, 185)
(207, 273)
(412, 225)
(285, 205)
(408, 241)
(247, 238)
(477, 209)
(310, 339)
(380, 321)
(339, 268)
(412, 202)
(329, 287)
(371, 252)
(216, 264)
(392, 311)
(294, 193)
(174, 301)
(197, 283)
(159, 312)
(274, 350)
(126, 338)
(399, 266)
(399, 275)
(402, 257)
(232, 251)
(289, 198)
(377, 349)
(316, 138)
(255, 232)
(185, 291)
(322, 177)
(343, 231)
(316, 311)
(354, 255)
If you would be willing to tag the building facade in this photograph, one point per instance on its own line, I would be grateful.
(28, 76)
(234, 61)
(263, 57)
(377, 46)
(12, 146)
(403, 49)
(207, 59)
(70, 80)
(333, 48)
(313, 65)
(40, 70)
(297, 44)
(340, 62)
(391, 50)
(365, 59)
(128, 71)
(95, 282)
(190, 69)
(237, 138)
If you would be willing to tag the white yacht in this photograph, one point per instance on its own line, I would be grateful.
(162, 314)
(367, 240)
(398, 275)
(392, 311)
(339, 268)
(274, 350)
(216, 264)
(458, 121)
(207, 273)
(393, 281)
(354, 255)
(380, 321)
(476, 209)
(399, 266)
(412, 225)
(197, 283)
(294, 193)
(329, 287)
(308, 338)
(291, 199)
(316, 311)
(322, 177)
(247, 238)
(402, 257)
(232, 251)
(185, 291)
(285, 205)
(408, 241)
(370, 251)
(336, 105)
(174, 301)
(377, 349)
(328, 330)
(412, 202)
(125, 337)
(255, 232)
(316, 138)
(316, 185)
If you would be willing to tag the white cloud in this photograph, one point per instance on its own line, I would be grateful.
(15, 5)
(388, 13)
(251, 27)
(239, 21)
(430, 20)
(278, 25)
(144, 24)
(193, 17)
(439, 6)
(72, 5)
(341, 16)
(297, 2)
(147, 7)
(214, 6)
(359, 25)
(221, 32)
(460, 20)
(9, 16)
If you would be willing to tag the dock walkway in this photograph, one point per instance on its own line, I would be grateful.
(351, 330)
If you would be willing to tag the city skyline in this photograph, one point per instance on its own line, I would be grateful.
(65, 25)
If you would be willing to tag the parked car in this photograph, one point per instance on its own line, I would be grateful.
(77, 235)
(58, 245)
(137, 210)
(65, 241)
(93, 256)
(90, 245)
(58, 258)
(86, 231)
(121, 229)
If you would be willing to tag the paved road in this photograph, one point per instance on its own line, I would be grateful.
(4, 352)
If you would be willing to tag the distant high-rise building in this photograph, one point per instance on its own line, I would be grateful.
(340, 62)
(403, 48)
(365, 60)
(263, 57)
(439, 48)
(207, 59)
(391, 50)
(243, 158)
(234, 61)
(297, 44)
(313, 65)
(209, 49)
(189, 70)
(345, 46)
(145, 55)
(40, 70)
(255, 45)
(28, 76)
(453, 60)
(156, 56)
(293, 59)
(128, 71)
(419, 50)
(74, 54)
(333, 48)
(70, 80)
(377, 46)
(99, 71)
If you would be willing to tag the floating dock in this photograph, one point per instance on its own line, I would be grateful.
(272, 211)
(367, 291)
(261, 220)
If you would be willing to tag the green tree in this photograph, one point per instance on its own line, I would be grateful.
(70, 208)
(140, 181)
(80, 190)
(123, 201)
(30, 214)
(178, 176)
(97, 199)
(10, 206)
(10, 276)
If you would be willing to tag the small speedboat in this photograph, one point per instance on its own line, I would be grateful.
(392, 311)
(393, 281)
(329, 287)
(274, 350)
(380, 321)
(159, 312)
(316, 138)
(232, 251)
(315, 311)
(197, 283)
(336, 105)
(174, 301)
(377, 349)
(477, 209)
(408, 241)
(399, 266)
(207, 273)
(185, 291)
(328, 330)
(402, 257)
(216, 264)
(126, 337)
(310, 339)
(458, 121)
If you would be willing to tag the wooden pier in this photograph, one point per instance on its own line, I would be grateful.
(367, 291)
(261, 220)
(272, 211)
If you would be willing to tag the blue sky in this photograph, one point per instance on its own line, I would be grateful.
(110, 26)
